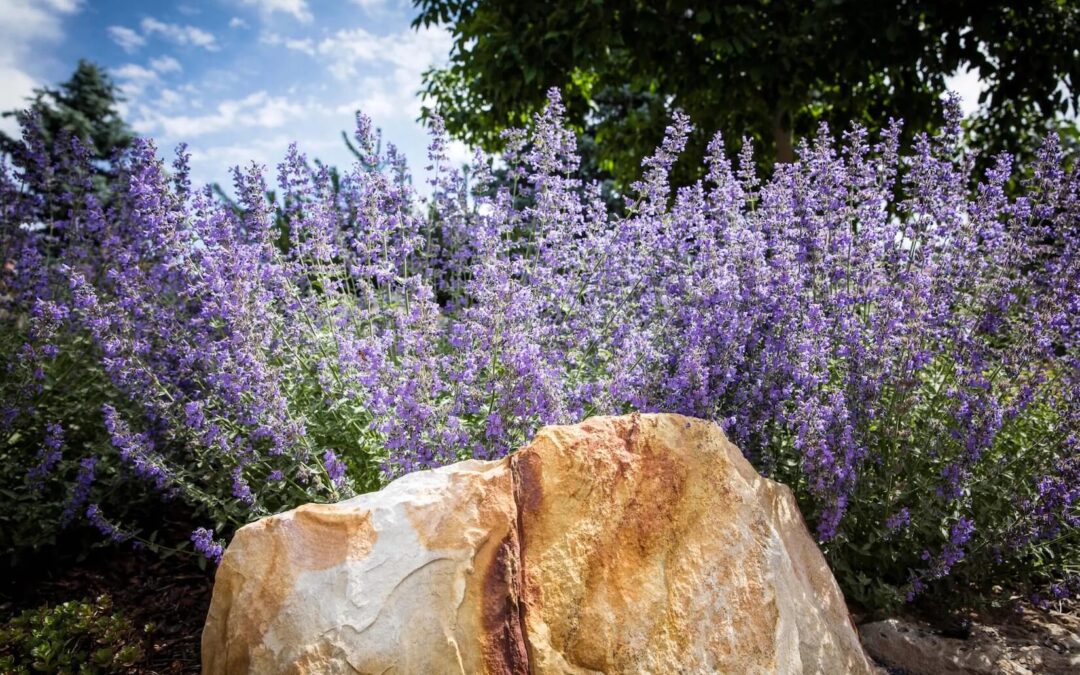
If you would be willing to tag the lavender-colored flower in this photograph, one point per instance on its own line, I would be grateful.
(240, 487)
(204, 542)
(335, 468)
(136, 450)
(48, 456)
(109, 530)
(80, 492)
(899, 520)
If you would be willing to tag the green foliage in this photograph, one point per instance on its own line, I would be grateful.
(766, 70)
(83, 637)
(873, 565)
(72, 388)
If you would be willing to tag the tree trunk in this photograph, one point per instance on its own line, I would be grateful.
(785, 152)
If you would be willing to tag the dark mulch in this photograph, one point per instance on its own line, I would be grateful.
(172, 593)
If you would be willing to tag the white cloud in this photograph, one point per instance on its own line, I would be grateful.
(297, 8)
(166, 64)
(371, 6)
(387, 72)
(377, 103)
(408, 50)
(24, 24)
(131, 71)
(387, 98)
(210, 163)
(256, 110)
(388, 93)
(242, 153)
(237, 22)
(305, 45)
(18, 85)
(181, 35)
(25, 20)
(134, 79)
(128, 39)
(168, 98)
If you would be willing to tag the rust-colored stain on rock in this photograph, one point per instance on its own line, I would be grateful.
(503, 639)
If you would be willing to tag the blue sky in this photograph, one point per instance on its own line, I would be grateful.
(235, 79)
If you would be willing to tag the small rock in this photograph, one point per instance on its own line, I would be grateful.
(1013, 648)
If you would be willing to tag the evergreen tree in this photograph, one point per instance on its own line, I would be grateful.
(84, 107)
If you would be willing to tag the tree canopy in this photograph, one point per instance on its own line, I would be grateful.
(763, 69)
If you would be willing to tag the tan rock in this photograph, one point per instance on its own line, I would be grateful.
(405, 580)
(637, 544)
(649, 544)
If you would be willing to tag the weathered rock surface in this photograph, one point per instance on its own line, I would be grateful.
(403, 580)
(1032, 642)
(637, 544)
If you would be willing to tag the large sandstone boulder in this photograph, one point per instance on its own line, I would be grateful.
(637, 544)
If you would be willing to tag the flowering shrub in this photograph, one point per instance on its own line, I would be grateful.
(892, 338)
